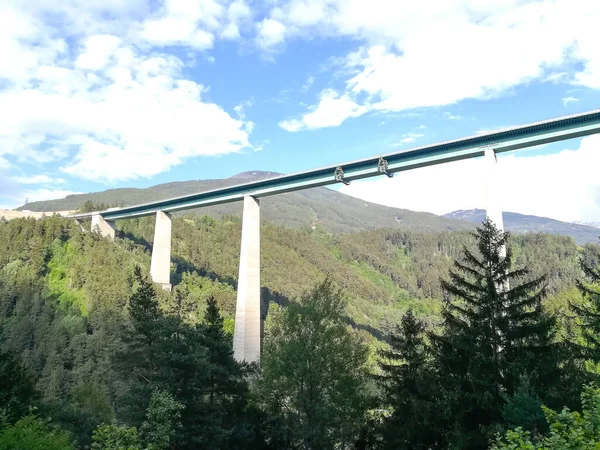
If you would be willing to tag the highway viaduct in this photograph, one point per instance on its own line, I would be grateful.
(246, 342)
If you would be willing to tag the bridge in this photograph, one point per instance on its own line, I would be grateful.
(246, 342)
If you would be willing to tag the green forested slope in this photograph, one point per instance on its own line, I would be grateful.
(381, 271)
(64, 292)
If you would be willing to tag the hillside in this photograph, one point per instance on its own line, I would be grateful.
(333, 211)
(328, 209)
(522, 223)
(65, 296)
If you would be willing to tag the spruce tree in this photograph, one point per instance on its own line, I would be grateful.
(408, 386)
(148, 344)
(495, 335)
(214, 414)
(17, 388)
(589, 311)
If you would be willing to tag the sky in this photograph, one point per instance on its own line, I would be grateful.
(100, 94)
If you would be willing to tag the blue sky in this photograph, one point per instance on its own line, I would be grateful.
(97, 94)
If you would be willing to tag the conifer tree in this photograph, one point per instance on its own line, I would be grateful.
(409, 388)
(17, 388)
(495, 333)
(143, 360)
(589, 311)
(214, 414)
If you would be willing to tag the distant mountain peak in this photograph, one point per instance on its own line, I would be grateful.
(255, 175)
(589, 224)
(465, 214)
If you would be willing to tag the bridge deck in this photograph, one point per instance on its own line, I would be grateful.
(553, 130)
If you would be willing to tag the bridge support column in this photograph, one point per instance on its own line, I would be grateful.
(160, 267)
(80, 225)
(493, 192)
(105, 227)
(246, 336)
(493, 206)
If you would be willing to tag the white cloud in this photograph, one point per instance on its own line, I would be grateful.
(38, 195)
(98, 51)
(495, 129)
(331, 111)
(451, 116)
(434, 53)
(408, 139)
(567, 100)
(172, 30)
(99, 98)
(240, 108)
(37, 179)
(309, 82)
(291, 125)
(239, 14)
(270, 33)
(564, 185)
(194, 23)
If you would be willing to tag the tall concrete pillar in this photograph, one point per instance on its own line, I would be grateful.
(160, 267)
(78, 222)
(493, 194)
(493, 190)
(105, 227)
(246, 335)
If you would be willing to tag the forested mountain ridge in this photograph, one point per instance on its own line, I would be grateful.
(334, 211)
(64, 293)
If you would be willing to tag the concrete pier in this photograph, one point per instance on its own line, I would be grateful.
(246, 336)
(493, 203)
(160, 267)
(105, 227)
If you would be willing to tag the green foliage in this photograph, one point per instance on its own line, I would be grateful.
(149, 342)
(409, 388)
(162, 421)
(17, 388)
(33, 433)
(98, 339)
(588, 311)
(312, 380)
(495, 333)
(115, 437)
(568, 430)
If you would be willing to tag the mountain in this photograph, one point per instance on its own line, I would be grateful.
(322, 207)
(589, 224)
(521, 223)
(318, 207)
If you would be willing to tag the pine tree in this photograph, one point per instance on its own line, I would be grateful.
(214, 413)
(589, 311)
(409, 387)
(147, 347)
(495, 332)
(17, 388)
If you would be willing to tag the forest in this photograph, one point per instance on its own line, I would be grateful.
(379, 339)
